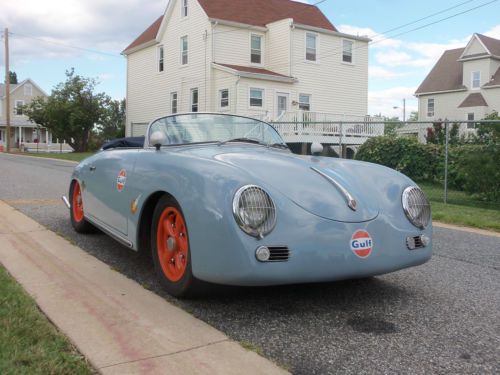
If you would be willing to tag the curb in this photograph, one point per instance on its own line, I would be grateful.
(119, 326)
(42, 157)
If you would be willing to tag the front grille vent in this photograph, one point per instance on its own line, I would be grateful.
(279, 253)
(418, 242)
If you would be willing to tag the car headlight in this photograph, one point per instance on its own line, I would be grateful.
(416, 206)
(254, 210)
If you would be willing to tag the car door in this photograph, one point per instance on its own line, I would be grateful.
(107, 198)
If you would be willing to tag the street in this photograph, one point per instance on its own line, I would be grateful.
(442, 317)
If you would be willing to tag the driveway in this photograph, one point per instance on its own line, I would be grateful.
(441, 317)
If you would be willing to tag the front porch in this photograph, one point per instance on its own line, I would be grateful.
(28, 138)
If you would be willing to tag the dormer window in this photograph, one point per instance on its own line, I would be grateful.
(184, 8)
(28, 89)
(256, 49)
(476, 80)
(311, 41)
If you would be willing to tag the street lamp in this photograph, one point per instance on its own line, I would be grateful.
(404, 109)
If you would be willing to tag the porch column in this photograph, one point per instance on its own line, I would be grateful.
(48, 136)
(20, 137)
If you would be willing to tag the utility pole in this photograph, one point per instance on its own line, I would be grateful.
(404, 109)
(7, 90)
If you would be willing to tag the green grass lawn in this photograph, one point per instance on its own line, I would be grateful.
(462, 209)
(75, 156)
(29, 343)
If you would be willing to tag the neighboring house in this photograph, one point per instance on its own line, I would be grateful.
(464, 84)
(261, 58)
(22, 130)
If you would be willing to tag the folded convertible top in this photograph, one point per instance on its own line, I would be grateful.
(134, 142)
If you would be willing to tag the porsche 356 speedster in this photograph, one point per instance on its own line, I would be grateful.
(221, 199)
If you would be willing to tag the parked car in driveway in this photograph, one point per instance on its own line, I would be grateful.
(221, 199)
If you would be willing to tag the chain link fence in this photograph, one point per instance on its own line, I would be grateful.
(455, 162)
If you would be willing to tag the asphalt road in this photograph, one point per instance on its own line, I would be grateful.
(441, 318)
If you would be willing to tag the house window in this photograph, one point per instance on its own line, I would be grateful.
(347, 50)
(224, 98)
(184, 50)
(184, 9)
(311, 41)
(470, 117)
(28, 89)
(430, 107)
(173, 102)
(18, 110)
(256, 49)
(476, 80)
(304, 102)
(256, 97)
(160, 59)
(194, 100)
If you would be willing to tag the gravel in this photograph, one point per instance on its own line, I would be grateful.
(442, 317)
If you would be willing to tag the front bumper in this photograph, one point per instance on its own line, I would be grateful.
(320, 250)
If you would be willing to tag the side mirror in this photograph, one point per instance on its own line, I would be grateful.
(157, 139)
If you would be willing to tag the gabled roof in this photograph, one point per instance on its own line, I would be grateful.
(474, 100)
(14, 87)
(446, 74)
(263, 12)
(249, 12)
(492, 44)
(495, 80)
(2, 88)
(147, 36)
(251, 72)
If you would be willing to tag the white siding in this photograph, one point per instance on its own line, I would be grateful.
(446, 105)
(474, 48)
(336, 87)
(482, 65)
(278, 46)
(148, 91)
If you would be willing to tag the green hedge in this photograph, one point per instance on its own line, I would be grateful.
(474, 169)
(406, 155)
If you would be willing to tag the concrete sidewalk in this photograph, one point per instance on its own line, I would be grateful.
(119, 326)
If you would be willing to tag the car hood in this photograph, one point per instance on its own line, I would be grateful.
(294, 176)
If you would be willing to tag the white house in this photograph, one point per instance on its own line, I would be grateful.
(464, 84)
(22, 130)
(260, 58)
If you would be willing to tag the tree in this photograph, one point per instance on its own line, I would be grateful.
(391, 124)
(489, 133)
(112, 124)
(413, 116)
(437, 134)
(12, 78)
(71, 111)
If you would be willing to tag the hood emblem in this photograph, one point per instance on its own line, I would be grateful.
(351, 202)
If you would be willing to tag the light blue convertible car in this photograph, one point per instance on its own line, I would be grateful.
(221, 199)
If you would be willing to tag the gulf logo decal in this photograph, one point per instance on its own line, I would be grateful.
(121, 180)
(361, 243)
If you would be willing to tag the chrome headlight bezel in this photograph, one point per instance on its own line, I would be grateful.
(262, 204)
(416, 206)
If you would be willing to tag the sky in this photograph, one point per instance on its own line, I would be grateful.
(98, 30)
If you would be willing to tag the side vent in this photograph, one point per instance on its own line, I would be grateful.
(279, 253)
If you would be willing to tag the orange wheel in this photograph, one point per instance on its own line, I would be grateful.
(171, 252)
(172, 244)
(76, 212)
(77, 203)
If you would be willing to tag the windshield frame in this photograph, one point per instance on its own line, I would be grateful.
(148, 131)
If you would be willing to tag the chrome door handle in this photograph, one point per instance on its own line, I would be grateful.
(92, 168)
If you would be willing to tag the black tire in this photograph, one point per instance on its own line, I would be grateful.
(80, 225)
(187, 285)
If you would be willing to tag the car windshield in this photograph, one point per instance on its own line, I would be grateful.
(207, 128)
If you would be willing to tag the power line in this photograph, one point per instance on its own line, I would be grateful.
(337, 51)
(116, 55)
